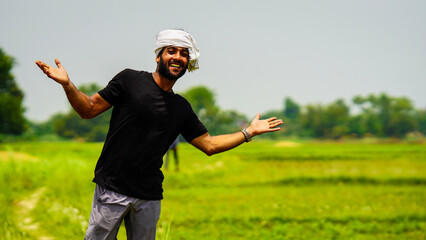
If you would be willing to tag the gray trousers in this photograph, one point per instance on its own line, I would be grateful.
(109, 209)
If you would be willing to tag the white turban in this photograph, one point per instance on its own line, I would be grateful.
(179, 38)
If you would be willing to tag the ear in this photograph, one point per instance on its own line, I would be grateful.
(158, 57)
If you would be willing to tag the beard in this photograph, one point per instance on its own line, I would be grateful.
(164, 70)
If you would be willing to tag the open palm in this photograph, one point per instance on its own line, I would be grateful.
(258, 126)
(59, 74)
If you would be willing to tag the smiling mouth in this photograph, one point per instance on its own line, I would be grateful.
(175, 65)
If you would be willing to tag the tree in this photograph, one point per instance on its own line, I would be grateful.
(383, 115)
(12, 119)
(217, 121)
(203, 103)
(291, 109)
(326, 121)
(291, 114)
(421, 121)
(202, 100)
(312, 121)
(228, 121)
(337, 115)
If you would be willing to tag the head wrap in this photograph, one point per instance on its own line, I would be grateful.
(179, 38)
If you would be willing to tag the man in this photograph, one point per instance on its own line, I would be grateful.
(173, 148)
(147, 117)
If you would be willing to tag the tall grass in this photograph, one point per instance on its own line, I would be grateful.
(261, 190)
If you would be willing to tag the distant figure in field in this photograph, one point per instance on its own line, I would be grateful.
(147, 117)
(173, 148)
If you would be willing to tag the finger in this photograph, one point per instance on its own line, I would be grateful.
(39, 63)
(274, 124)
(274, 129)
(43, 66)
(271, 119)
(58, 63)
(257, 116)
(46, 68)
(276, 121)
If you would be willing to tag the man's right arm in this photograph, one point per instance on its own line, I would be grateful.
(87, 107)
(216, 144)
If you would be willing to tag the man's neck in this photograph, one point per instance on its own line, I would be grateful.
(163, 82)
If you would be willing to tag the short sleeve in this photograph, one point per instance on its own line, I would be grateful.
(193, 128)
(114, 90)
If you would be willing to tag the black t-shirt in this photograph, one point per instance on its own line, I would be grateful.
(145, 121)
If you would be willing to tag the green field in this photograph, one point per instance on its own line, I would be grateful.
(261, 190)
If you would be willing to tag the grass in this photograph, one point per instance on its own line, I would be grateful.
(261, 190)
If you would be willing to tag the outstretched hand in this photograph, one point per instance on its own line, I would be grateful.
(258, 126)
(59, 74)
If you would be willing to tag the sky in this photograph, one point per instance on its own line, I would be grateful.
(254, 54)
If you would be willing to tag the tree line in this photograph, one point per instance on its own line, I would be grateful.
(378, 115)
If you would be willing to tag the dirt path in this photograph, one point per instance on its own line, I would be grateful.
(23, 217)
(11, 155)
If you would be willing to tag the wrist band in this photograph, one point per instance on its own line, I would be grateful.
(247, 135)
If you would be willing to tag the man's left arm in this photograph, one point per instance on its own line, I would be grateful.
(216, 144)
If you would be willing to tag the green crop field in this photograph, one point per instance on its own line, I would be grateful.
(261, 190)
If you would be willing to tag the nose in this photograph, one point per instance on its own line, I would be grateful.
(178, 55)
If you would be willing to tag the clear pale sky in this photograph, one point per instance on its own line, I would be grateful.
(253, 53)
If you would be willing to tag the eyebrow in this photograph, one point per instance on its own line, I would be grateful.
(176, 48)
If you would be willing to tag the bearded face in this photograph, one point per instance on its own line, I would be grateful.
(173, 62)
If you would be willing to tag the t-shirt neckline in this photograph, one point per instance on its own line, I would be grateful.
(153, 80)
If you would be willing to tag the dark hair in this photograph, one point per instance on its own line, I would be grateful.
(161, 52)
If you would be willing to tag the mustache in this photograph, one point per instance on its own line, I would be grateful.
(180, 63)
